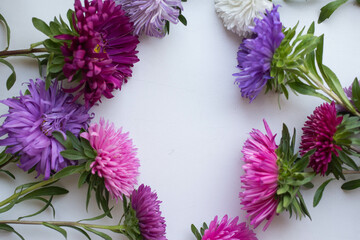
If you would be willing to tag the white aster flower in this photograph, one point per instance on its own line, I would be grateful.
(238, 15)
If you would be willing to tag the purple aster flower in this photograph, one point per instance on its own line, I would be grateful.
(31, 121)
(101, 52)
(228, 229)
(149, 16)
(255, 54)
(147, 207)
(318, 133)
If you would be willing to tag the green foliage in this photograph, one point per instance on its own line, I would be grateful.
(181, 18)
(351, 185)
(291, 176)
(319, 192)
(8, 228)
(54, 61)
(288, 57)
(12, 78)
(327, 10)
(199, 234)
(2, 19)
(131, 222)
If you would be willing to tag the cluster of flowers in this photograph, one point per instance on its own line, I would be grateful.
(274, 57)
(47, 131)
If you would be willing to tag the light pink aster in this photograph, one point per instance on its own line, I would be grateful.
(260, 178)
(228, 229)
(116, 160)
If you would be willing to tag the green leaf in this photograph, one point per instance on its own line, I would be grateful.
(96, 218)
(329, 9)
(311, 29)
(347, 160)
(45, 191)
(307, 90)
(48, 203)
(351, 185)
(2, 19)
(8, 173)
(195, 231)
(183, 20)
(356, 93)
(308, 185)
(41, 26)
(70, 170)
(72, 155)
(8, 228)
(80, 230)
(100, 234)
(319, 192)
(12, 78)
(56, 228)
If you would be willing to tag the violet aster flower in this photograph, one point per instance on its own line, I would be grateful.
(32, 119)
(147, 207)
(101, 52)
(260, 178)
(116, 160)
(318, 133)
(149, 16)
(255, 54)
(228, 229)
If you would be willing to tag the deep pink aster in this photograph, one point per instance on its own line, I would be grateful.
(260, 178)
(101, 52)
(147, 207)
(318, 133)
(33, 118)
(116, 160)
(228, 229)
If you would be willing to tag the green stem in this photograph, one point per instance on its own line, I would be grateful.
(67, 223)
(318, 82)
(27, 190)
(8, 53)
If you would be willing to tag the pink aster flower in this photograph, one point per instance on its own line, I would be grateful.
(260, 178)
(101, 51)
(147, 207)
(318, 133)
(228, 229)
(116, 160)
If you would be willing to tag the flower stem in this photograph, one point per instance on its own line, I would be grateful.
(350, 172)
(8, 53)
(27, 190)
(118, 228)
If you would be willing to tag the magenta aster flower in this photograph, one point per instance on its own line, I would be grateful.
(318, 133)
(116, 160)
(255, 54)
(101, 52)
(228, 229)
(147, 207)
(149, 16)
(260, 178)
(31, 121)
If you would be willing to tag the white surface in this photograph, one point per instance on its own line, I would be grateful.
(189, 122)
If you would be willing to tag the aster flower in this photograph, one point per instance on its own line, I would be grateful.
(272, 177)
(31, 121)
(318, 133)
(228, 229)
(116, 162)
(238, 16)
(95, 53)
(143, 218)
(150, 16)
(255, 54)
(261, 176)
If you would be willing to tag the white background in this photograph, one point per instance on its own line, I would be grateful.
(189, 122)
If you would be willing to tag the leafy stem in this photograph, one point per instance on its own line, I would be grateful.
(21, 52)
(117, 228)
